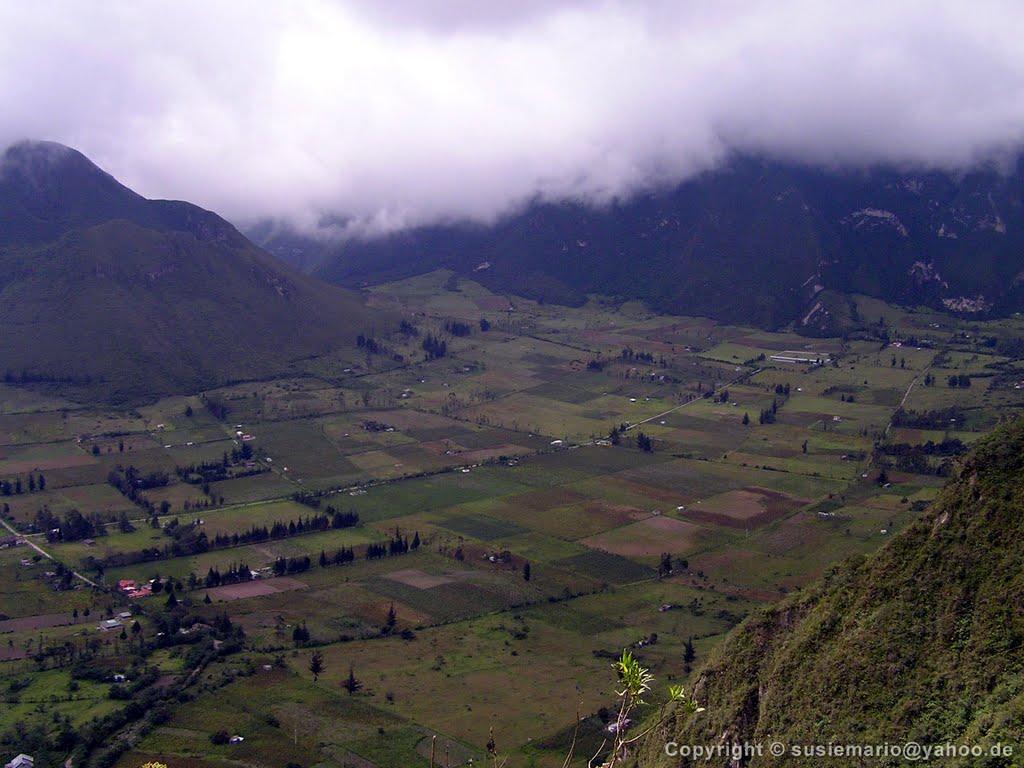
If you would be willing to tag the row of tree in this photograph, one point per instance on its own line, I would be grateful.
(434, 347)
(8, 488)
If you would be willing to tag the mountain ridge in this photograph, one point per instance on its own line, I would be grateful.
(128, 298)
(754, 241)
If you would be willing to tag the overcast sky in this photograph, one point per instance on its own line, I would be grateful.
(402, 111)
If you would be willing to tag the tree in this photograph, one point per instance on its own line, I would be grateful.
(188, 411)
(392, 618)
(746, 418)
(316, 664)
(527, 572)
(351, 684)
(689, 654)
(665, 566)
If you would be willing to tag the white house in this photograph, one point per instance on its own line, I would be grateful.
(21, 761)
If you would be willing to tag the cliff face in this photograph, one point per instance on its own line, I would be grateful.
(922, 642)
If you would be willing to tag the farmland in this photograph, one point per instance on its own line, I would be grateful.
(484, 529)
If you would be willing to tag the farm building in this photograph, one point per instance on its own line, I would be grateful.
(798, 357)
(21, 761)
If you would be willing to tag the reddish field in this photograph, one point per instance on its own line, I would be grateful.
(647, 538)
(255, 588)
(36, 465)
(748, 507)
(36, 622)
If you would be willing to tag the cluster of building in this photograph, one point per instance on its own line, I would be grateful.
(130, 588)
(108, 624)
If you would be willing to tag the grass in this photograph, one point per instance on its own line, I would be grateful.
(583, 515)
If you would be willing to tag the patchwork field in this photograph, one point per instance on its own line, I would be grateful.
(471, 537)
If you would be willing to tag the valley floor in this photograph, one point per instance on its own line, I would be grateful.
(558, 487)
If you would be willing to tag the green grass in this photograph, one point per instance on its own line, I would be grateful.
(519, 394)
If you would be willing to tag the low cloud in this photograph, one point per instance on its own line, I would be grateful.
(382, 114)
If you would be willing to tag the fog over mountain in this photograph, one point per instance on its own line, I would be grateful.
(389, 114)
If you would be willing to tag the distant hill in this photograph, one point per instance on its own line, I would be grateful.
(923, 642)
(129, 299)
(752, 242)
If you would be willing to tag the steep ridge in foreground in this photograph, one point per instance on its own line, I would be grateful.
(921, 642)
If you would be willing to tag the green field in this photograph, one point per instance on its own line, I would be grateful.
(495, 457)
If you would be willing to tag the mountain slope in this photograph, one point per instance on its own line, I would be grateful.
(923, 641)
(134, 298)
(751, 242)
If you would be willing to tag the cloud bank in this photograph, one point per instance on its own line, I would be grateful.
(389, 113)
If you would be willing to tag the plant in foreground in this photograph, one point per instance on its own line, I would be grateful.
(636, 682)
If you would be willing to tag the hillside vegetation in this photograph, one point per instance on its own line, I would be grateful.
(125, 298)
(921, 642)
(752, 242)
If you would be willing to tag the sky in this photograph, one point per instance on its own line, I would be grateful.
(383, 114)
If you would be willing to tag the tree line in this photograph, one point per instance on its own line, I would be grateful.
(8, 488)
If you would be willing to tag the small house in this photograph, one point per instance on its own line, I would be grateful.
(109, 624)
(613, 728)
(21, 761)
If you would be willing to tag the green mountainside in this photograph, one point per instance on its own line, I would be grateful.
(752, 242)
(923, 641)
(132, 298)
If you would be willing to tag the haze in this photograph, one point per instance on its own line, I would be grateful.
(387, 114)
